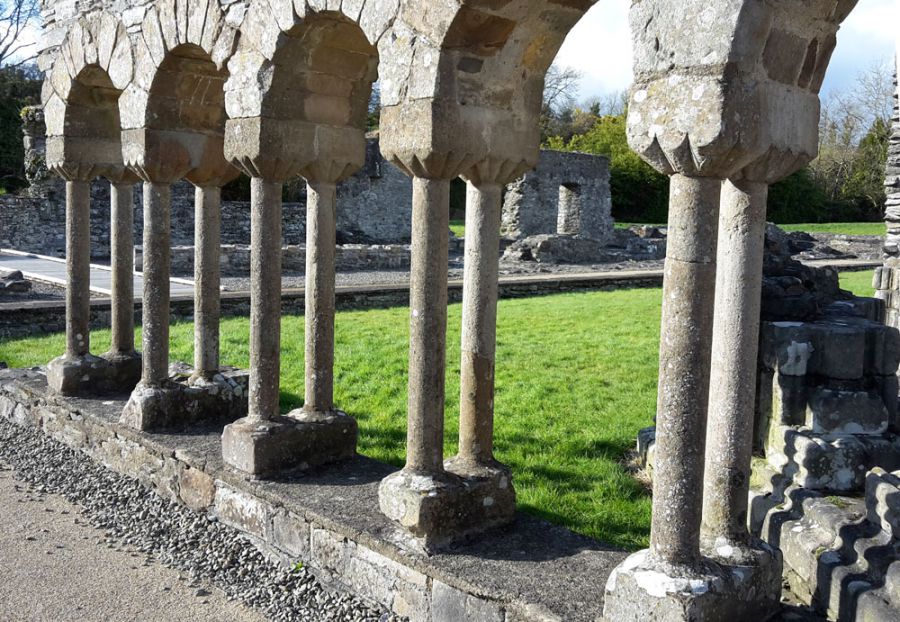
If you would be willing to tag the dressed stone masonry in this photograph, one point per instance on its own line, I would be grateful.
(725, 101)
(887, 279)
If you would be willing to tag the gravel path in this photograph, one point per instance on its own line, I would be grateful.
(455, 272)
(55, 566)
(152, 531)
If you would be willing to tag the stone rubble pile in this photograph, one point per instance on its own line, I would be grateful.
(14, 282)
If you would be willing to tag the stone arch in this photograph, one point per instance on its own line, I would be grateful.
(173, 114)
(298, 96)
(81, 95)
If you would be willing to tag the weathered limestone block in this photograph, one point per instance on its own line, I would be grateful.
(182, 401)
(196, 489)
(815, 463)
(642, 592)
(241, 510)
(834, 411)
(290, 533)
(263, 448)
(883, 500)
(449, 604)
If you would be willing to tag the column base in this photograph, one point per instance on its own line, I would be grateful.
(438, 509)
(94, 375)
(298, 440)
(179, 402)
(641, 589)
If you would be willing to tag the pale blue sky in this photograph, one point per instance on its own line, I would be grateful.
(600, 45)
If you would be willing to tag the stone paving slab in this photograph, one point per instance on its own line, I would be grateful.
(53, 270)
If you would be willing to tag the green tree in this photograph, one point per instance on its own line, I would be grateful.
(639, 192)
(19, 87)
(864, 185)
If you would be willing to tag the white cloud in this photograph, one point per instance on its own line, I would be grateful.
(600, 48)
(600, 45)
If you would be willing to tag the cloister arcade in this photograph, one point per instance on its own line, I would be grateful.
(725, 101)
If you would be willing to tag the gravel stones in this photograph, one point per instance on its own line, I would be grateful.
(134, 517)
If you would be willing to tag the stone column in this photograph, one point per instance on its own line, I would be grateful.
(265, 442)
(151, 403)
(78, 268)
(121, 250)
(265, 299)
(684, 364)
(427, 325)
(156, 272)
(319, 296)
(64, 374)
(207, 281)
(729, 438)
(479, 324)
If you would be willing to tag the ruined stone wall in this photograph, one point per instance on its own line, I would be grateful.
(38, 225)
(374, 206)
(567, 193)
(887, 279)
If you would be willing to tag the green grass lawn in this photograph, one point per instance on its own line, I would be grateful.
(847, 228)
(458, 227)
(860, 283)
(576, 379)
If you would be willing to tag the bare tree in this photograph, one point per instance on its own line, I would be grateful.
(611, 104)
(560, 88)
(16, 18)
(847, 117)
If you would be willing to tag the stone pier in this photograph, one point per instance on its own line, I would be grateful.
(676, 114)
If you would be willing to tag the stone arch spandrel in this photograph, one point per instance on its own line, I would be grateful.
(722, 86)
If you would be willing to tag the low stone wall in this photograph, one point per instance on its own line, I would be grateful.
(329, 520)
(235, 258)
(41, 317)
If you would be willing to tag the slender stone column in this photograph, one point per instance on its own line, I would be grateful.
(78, 268)
(207, 241)
(427, 325)
(265, 298)
(157, 264)
(742, 226)
(479, 324)
(122, 264)
(684, 364)
(320, 279)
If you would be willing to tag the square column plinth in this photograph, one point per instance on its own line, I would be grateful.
(94, 375)
(438, 509)
(642, 589)
(298, 440)
(185, 399)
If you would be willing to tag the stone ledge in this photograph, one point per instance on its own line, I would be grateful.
(329, 520)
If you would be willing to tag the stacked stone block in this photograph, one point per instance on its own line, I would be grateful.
(887, 278)
(828, 397)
